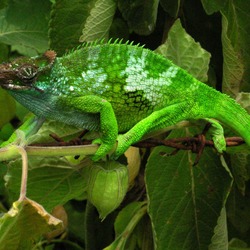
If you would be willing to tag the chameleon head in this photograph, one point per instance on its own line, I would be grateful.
(21, 74)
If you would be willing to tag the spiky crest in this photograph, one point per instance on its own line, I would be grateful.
(111, 41)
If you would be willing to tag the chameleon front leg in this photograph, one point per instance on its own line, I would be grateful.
(108, 124)
(28, 128)
(11, 149)
(159, 119)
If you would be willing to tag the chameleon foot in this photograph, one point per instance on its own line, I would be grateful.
(122, 147)
(217, 133)
(103, 150)
(218, 138)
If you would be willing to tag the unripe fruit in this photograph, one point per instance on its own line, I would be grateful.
(108, 184)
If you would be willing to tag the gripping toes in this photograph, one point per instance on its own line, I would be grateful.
(122, 146)
(103, 150)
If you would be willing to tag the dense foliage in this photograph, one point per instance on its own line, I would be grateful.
(170, 204)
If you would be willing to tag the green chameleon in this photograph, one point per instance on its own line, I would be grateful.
(118, 88)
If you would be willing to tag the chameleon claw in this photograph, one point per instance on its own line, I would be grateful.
(217, 136)
(97, 141)
(103, 150)
(217, 133)
(121, 147)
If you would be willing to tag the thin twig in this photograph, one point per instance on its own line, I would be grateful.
(183, 143)
(23, 188)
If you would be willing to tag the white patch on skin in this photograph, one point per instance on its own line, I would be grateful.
(138, 78)
(84, 74)
(171, 72)
(194, 86)
(135, 72)
(95, 77)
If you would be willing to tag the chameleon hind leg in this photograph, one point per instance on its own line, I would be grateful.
(217, 133)
(159, 119)
(167, 117)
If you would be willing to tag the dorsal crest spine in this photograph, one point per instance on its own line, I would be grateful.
(110, 42)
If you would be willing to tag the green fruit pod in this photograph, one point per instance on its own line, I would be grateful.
(108, 184)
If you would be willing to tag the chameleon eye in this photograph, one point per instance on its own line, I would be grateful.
(27, 73)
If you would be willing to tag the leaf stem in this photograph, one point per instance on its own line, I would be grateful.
(62, 241)
(11, 152)
(131, 225)
(62, 150)
(24, 178)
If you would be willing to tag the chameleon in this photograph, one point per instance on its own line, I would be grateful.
(121, 90)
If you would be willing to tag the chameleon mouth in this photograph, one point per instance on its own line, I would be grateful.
(22, 73)
(6, 78)
(9, 85)
(21, 78)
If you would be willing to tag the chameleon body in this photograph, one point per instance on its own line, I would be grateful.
(117, 88)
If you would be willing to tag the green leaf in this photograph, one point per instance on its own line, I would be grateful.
(3, 170)
(62, 130)
(67, 21)
(119, 29)
(244, 100)
(233, 67)
(238, 210)
(79, 21)
(99, 21)
(235, 42)
(4, 51)
(6, 131)
(185, 52)
(13, 233)
(140, 15)
(3, 4)
(240, 159)
(8, 107)
(237, 244)
(185, 202)
(212, 6)
(144, 233)
(25, 25)
(51, 181)
(126, 215)
(125, 223)
(220, 237)
(241, 170)
(171, 7)
(76, 217)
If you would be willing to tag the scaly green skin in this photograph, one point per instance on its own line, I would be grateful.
(120, 88)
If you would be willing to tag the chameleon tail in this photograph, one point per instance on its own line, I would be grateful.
(233, 115)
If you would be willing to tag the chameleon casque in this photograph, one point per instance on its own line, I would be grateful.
(117, 88)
